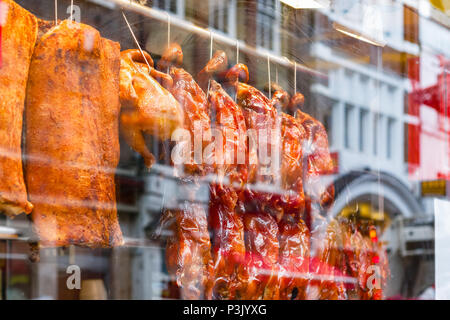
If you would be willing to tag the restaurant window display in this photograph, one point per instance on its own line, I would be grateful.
(233, 150)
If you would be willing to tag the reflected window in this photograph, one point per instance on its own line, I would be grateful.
(222, 16)
(363, 125)
(173, 6)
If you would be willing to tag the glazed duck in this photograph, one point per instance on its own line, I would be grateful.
(316, 152)
(230, 272)
(146, 106)
(293, 138)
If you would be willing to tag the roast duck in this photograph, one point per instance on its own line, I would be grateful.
(250, 241)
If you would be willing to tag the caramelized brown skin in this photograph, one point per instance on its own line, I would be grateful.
(318, 155)
(172, 56)
(217, 64)
(293, 137)
(358, 254)
(262, 251)
(329, 258)
(230, 122)
(18, 41)
(188, 252)
(194, 103)
(361, 254)
(261, 118)
(229, 118)
(237, 73)
(146, 106)
(294, 259)
(230, 272)
(239, 164)
(280, 98)
(72, 137)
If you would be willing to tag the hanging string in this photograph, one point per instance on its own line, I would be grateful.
(136, 41)
(268, 73)
(276, 74)
(71, 10)
(295, 77)
(168, 29)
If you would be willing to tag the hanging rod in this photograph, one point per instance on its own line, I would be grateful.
(206, 33)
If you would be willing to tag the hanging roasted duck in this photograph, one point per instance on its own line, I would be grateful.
(317, 153)
(293, 138)
(147, 107)
(19, 32)
(188, 251)
(231, 155)
(263, 130)
(72, 138)
(326, 282)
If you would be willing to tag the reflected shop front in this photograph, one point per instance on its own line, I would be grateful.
(233, 150)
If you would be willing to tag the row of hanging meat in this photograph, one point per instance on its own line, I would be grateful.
(76, 90)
